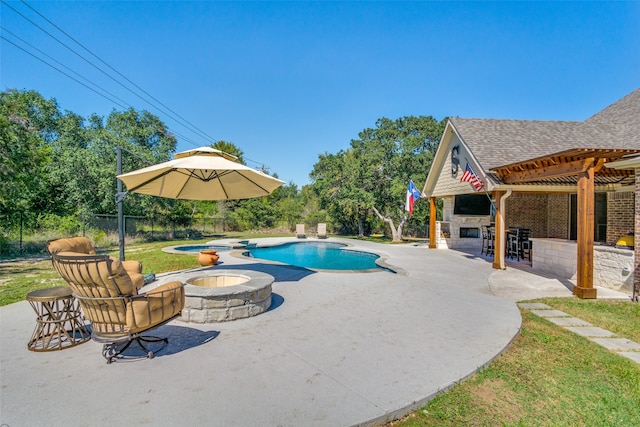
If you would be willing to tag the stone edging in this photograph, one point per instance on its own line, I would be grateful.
(608, 340)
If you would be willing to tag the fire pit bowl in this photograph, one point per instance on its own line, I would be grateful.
(224, 295)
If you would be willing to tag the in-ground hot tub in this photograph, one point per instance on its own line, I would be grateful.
(223, 295)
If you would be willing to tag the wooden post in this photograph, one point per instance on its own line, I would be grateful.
(636, 247)
(586, 195)
(498, 249)
(433, 239)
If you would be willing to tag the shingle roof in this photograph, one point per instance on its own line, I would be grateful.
(625, 115)
(624, 111)
(496, 143)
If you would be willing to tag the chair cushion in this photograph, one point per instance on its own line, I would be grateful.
(80, 245)
(97, 273)
(134, 269)
(155, 307)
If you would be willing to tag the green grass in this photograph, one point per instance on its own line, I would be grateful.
(549, 377)
(20, 276)
(619, 317)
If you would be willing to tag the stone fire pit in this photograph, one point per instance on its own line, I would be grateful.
(224, 295)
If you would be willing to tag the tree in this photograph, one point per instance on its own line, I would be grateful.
(338, 182)
(229, 148)
(26, 120)
(289, 204)
(147, 141)
(373, 174)
(313, 213)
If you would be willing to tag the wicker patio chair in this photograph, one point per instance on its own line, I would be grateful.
(109, 298)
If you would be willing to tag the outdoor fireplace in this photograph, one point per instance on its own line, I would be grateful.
(469, 232)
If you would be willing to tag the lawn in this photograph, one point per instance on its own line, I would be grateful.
(19, 277)
(549, 377)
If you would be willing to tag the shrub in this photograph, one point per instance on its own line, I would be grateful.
(66, 225)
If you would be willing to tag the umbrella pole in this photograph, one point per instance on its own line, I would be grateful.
(119, 198)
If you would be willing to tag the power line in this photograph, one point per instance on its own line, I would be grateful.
(86, 60)
(202, 133)
(82, 77)
(78, 81)
(62, 72)
(191, 127)
(59, 63)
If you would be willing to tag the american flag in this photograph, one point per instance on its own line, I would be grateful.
(471, 177)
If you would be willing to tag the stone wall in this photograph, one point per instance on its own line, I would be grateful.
(557, 256)
(612, 267)
(451, 224)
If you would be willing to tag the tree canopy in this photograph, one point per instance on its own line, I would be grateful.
(369, 180)
(57, 164)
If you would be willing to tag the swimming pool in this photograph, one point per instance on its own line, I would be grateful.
(318, 255)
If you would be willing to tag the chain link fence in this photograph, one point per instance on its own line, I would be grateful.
(416, 231)
(27, 233)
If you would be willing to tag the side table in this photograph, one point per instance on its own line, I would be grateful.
(59, 323)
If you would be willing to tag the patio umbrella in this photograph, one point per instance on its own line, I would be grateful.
(201, 174)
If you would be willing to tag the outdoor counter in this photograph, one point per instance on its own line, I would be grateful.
(612, 267)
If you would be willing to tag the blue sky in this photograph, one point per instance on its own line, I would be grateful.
(287, 81)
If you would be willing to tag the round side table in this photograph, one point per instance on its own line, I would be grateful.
(59, 323)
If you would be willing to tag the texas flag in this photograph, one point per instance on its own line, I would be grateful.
(413, 194)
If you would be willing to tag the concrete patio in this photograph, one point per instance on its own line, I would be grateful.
(335, 349)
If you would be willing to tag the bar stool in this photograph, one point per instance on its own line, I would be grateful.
(488, 238)
(59, 322)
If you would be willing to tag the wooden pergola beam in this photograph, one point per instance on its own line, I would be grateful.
(548, 172)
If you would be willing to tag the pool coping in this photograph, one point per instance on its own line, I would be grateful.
(173, 250)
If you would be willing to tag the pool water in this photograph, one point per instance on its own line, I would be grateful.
(319, 255)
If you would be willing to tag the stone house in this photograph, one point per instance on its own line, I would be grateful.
(570, 183)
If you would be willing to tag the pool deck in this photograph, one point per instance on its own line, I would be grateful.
(335, 349)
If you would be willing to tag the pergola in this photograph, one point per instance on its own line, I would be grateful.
(579, 167)
(585, 169)
(544, 157)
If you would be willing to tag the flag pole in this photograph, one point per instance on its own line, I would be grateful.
(493, 205)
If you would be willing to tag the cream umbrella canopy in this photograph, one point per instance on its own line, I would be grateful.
(201, 174)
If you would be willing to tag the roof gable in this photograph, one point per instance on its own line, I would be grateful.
(491, 143)
(500, 142)
(445, 173)
(624, 111)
